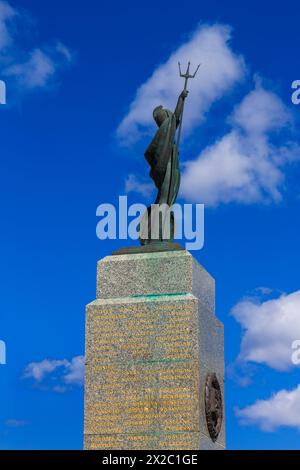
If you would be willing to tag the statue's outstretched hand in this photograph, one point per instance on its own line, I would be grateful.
(184, 94)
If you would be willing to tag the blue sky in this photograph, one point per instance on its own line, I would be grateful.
(74, 74)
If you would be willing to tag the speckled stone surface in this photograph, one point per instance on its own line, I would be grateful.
(155, 273)
(151, 339)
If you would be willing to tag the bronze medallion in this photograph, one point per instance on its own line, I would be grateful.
(213, 406)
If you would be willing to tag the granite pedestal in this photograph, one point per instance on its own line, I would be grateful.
(152, 339)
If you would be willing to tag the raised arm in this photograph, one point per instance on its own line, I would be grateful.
(179, 106)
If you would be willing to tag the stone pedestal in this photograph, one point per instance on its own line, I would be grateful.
(153, 345)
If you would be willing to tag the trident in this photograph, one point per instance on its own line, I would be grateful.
(186, 76)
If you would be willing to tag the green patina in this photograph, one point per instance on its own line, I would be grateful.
(151, 296)
(160, 433)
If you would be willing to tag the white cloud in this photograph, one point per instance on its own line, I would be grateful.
(282, 409)
(35, 72)
(221, 69)
(38, 370)
(6, 14)
(62, 49)
(244, 166)
(133, 184)
(62, 372)
(75, 371)
(261, 111)
(265, 290)
(27, 69)
(269, 329)
(15, 423)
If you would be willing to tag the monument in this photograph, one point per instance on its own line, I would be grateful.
(154, 347)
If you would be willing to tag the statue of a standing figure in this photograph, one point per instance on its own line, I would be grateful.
(162, 155)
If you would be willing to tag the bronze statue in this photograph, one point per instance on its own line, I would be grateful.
(162, 156)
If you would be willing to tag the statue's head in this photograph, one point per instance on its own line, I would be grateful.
(159, 115)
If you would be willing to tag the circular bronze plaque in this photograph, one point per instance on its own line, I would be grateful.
(213, 406)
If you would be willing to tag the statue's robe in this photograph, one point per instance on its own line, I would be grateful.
(162, 156)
